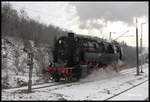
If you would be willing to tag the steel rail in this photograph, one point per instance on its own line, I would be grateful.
(125, 90)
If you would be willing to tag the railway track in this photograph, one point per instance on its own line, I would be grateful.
(126, 91)
(34, 87)
(63, 83)
(126, 71)
(27, 86)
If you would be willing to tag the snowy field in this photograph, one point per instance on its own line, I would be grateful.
(98, 86)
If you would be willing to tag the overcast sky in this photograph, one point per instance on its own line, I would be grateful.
(92, 18)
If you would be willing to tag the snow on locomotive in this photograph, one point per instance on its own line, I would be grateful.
(76, 56)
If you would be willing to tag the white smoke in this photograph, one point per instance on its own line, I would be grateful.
(120, 62)
(101, 74)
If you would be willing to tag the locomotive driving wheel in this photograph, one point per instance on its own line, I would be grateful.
(56, 79)
(56, 76)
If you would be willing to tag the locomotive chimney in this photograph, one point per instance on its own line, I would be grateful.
(71, 35)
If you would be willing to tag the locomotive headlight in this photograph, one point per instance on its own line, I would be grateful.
(99, 54)
(59, 41)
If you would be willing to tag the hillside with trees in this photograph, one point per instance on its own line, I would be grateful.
(18, 24)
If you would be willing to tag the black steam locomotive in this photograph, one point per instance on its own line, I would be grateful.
(77, 56)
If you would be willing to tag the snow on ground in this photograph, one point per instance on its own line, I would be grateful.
(93, 87)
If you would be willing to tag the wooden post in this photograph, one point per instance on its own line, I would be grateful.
(30, 71)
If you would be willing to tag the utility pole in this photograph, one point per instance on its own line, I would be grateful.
(30, 63)
(141, 48)
(137, 52)
(110, 36)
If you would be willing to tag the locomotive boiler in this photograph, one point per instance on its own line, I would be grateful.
(76, 56)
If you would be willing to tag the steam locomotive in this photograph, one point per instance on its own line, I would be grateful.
(76, 56)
